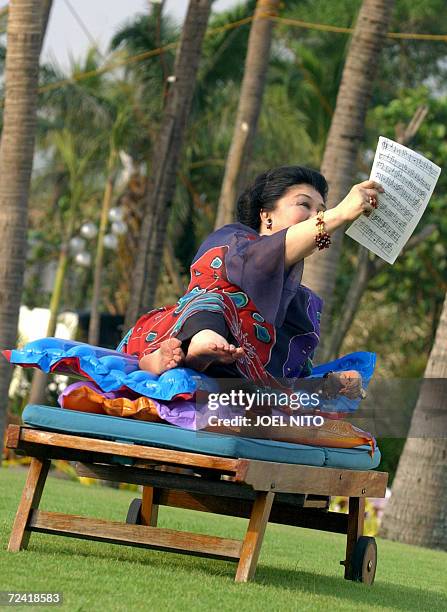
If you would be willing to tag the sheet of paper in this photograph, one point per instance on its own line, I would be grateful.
(408, 179)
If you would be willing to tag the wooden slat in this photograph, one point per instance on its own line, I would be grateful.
(12, 436)
(136, 451)
(285, 477)
(228, 506)
(32, 492)
(309, 518)
(281, 513)
(251, 546)
(149, 509)
(192, 484)
(135, 535)
(356, 521)
(164, 480)
(43, 451)
(317, 501)
(260, 475)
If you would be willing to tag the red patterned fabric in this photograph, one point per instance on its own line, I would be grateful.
(209, 289)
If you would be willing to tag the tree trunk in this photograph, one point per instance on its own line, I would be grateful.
(173, 269)
(24, 35)
(346, 134)
(417, 510)
(249, 107)
(46, 10)
(95, 317)
(165, 159)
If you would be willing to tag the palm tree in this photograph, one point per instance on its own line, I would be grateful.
(346, 133)
(415, 513)
(250, 101)
(165, 159)
(16, 159)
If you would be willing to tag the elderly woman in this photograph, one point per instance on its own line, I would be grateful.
(246, 313)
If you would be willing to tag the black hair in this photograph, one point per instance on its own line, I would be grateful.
(270, 186)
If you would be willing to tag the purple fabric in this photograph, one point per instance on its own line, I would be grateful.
(128, 393)
(256, 264)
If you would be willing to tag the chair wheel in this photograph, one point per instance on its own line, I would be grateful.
(134, 513)
(364, 560)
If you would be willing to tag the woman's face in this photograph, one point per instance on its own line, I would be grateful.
(299, 203)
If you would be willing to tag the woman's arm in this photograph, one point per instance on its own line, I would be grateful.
(300, 238)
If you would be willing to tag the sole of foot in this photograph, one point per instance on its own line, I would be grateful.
(168, 356)
(208, 347)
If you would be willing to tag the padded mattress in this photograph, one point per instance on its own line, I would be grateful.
(168, 436)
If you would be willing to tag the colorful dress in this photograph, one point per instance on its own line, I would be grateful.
(271, 315)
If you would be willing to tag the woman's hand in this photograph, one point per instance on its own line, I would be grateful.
(351, 381)
(347, 383)
(362, 199)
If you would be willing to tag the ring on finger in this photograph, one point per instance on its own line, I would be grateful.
(373, 201)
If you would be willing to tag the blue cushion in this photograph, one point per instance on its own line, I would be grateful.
(169, 436)
(352, 458)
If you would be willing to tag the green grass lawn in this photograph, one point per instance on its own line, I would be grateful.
(298, 568)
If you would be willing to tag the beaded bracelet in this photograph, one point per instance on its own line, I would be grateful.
(322, 239)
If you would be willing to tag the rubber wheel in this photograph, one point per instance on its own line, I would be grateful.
(364, 560)
(134, 513)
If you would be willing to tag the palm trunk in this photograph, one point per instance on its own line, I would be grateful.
(165, 159)
(416, 512)
(94, 325)
(249, 107)
(346, 134)
(46, 10)
(173, 269)
(16, 159)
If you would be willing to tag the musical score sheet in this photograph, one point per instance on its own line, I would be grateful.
(408, 179)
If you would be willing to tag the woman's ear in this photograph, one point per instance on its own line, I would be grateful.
(264, 214)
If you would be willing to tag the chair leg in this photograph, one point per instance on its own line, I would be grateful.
(30, 500)
(149, 509)
(356, 521)
(251, 546)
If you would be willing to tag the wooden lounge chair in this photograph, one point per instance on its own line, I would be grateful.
(261, 491)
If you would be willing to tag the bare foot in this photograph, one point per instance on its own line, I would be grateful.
(207, 347)
(168, 356)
